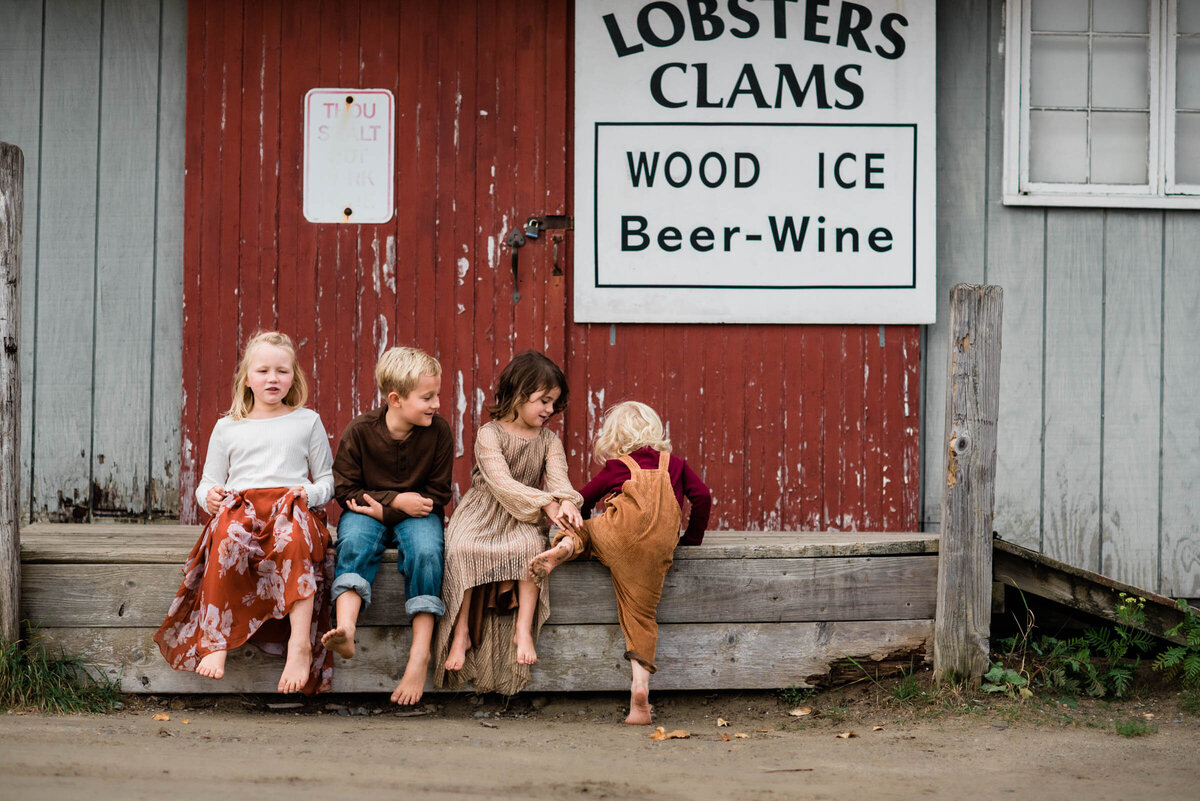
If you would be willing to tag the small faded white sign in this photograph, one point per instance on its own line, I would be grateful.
(349, 155)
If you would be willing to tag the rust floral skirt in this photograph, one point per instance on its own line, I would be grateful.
(263, 552)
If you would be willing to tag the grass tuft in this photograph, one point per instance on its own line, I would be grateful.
(32, 678)
(1134, 728)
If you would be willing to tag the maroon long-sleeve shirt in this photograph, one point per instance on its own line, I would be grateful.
(684, 481)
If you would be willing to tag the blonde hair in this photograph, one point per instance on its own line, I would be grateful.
(399, 369)
(627, 427)
(243, 397)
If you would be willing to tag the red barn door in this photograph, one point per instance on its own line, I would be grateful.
(792, 426)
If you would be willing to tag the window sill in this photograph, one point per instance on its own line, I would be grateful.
(1103, 201)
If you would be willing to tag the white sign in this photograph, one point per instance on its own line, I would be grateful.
(349, 155)
(755, 162)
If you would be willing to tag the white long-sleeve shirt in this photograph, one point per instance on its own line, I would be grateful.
(291, 450)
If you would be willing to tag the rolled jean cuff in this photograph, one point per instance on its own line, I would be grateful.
(351, 581)
(424, 603)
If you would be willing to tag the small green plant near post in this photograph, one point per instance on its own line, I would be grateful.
(1000, 679)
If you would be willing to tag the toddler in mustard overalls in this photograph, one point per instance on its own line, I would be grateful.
(642, 487)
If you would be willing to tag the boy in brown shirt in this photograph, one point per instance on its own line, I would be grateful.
(392, 476)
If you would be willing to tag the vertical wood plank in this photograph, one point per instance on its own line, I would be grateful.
(1074, 333)
(20, 96)
(1180, 547)
(166, 351)
(963, 79)
(196, 210)
(124, 300)
(66, 271)
(12, 211)
(1132, 386)
(962, 624)
(1015, 260)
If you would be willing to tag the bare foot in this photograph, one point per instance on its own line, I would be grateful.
(295, 670)
(639, 707)
(340, 641)
(526, 653)
(458, 651)
(212, 665)
(412, 684)
(541, 565)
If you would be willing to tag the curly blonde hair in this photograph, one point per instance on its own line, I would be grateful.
(627, 427)
(243, 397)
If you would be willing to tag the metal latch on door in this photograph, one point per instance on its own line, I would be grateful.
(533, 228)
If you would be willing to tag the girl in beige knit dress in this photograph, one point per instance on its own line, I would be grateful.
(494, 608)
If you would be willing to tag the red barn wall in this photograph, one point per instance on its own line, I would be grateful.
(793, 427)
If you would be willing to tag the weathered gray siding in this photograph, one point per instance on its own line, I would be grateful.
(1099, 453)
(93, 93)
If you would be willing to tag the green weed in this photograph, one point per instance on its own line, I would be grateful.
(1183, 661)
(32, 678)
(795, 695)
(1189, 701)
(1134, 728)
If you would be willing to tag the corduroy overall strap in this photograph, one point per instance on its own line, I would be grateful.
(664, 460)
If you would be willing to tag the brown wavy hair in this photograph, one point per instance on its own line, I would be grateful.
(527, 374)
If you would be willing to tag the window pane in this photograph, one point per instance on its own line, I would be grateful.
(1120, 72)
(1187, 74)
(1058, 146)
(1189, 16)
(1187, 148)
(1121, 16)
(1058, 71)
(1120, 147)
(1060, 15)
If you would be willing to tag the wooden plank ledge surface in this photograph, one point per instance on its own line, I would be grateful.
(133, 543)
(744, 610)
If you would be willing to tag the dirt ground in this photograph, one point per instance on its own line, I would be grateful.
(575, 747)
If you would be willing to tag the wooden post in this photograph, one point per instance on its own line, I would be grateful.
(964, 592)
(12, 173)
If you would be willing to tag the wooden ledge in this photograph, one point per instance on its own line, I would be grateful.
(155, 543)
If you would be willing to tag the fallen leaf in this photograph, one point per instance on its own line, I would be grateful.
(846, 735)
(662, 734)
(1026, 692)
(876, 728)
(165, 733)
(765, 731)
(800, 712)
(1148, 715)
(726, 738)
(487, 725)
(722, 722)
(161, 716)
(186, 721)
(741, 735)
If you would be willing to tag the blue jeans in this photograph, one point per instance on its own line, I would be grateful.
(361, 541)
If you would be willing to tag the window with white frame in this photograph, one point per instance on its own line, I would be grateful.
(1102, 103)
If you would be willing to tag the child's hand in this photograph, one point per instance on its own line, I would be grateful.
(412, 504)
(212, 501)
(569, 516)
(372, 508)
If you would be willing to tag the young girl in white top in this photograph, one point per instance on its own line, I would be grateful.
(263, 566)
